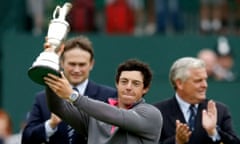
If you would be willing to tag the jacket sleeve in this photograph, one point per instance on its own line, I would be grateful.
(224, 126)
(67, 112)
(34, 131)
(143, 119)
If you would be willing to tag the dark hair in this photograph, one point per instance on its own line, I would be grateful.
(81, 42)
(136, 65)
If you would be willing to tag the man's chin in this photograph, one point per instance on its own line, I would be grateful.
(203, 97)
(128, 102)
(74, 82)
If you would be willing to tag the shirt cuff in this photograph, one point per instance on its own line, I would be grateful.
(215, 137)
(49, 131)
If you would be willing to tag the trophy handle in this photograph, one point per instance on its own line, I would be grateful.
(56, 11)
(64, 10)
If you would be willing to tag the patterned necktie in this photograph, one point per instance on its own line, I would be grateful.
(192, 117)
(70, 134)
(69, 128)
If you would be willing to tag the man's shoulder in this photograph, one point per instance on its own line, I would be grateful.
(164, 103)
(107, 88)
(149, 106)
(219, 104)
(40, 95)
(101, 86)
(100, 91)
(145, 106)
(149, 110)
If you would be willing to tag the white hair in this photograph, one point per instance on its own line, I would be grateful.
(180, 68)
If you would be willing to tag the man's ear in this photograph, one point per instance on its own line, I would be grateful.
(92, 64)
(145, 90)
(179, 83)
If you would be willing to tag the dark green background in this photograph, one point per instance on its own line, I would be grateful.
(20, 50)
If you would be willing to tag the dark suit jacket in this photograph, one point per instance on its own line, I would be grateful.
(171, 112)
(34, 132)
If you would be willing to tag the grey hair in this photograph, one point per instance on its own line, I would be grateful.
(180, 68)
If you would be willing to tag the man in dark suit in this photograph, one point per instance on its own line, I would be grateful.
(77, 61)
(206, 122)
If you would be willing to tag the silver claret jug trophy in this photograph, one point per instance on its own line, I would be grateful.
(48, 61)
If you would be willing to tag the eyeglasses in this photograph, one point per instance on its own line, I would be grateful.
(135, 83)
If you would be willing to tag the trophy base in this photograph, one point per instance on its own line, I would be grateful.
(37, 73)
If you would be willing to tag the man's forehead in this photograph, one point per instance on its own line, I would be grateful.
(131, 75)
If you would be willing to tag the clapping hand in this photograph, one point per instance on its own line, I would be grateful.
(182, 133)
(54, 120)
(209, 118)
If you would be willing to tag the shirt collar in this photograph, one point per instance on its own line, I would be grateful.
(112, 102)
(82, 87)
(184, 106)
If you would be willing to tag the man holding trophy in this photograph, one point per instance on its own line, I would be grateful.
(76, 61)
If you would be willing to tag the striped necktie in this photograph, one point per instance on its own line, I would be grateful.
(70, 134)
(192, 117)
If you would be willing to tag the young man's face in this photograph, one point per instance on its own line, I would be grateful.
(77, 65)
(130, 88)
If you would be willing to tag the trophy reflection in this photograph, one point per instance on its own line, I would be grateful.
(48, 61)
